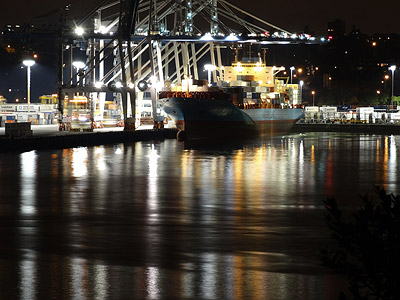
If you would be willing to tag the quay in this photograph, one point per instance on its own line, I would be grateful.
(48, 137)
(353, 128)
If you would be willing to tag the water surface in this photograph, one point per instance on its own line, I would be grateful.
(164, 220)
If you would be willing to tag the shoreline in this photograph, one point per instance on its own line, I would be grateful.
(82, 139)
(352, 128)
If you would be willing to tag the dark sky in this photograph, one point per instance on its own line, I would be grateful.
(381, 16)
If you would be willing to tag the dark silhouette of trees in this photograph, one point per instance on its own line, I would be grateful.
(368, 246)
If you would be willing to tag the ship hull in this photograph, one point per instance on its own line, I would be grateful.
(219, 118)
(274, 120)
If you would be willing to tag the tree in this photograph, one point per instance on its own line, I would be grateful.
(368, 246)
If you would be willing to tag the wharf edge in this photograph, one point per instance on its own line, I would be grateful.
(352, 128)
(83, 139)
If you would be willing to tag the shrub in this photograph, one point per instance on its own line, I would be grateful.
(368, 246)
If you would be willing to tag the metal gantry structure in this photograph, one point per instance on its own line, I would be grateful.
(129, 45)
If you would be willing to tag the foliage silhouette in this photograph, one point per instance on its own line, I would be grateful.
(368, 246)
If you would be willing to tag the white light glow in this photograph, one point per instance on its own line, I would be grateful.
(79, 64)
(239, 68)
(209, 67)
(79, 31)
(153, 79)
(28, 62)
(207, 37)
(231, 37)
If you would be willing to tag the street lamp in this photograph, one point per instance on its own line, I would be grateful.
(79, 65)
(209, 68)
(79, 30)
(313, 97)
(301, 89)
(392, 68)
(29, 63)
(291, 72)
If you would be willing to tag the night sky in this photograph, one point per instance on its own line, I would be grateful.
(369, 16)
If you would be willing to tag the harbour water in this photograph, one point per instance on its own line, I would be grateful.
(164, 220)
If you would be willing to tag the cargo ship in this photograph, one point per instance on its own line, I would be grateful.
(206, 115)
(248, 99)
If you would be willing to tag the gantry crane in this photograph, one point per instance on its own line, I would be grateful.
(132, 44)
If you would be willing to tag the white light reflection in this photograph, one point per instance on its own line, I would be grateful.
(79, 162)
(79, 279)
(392, 169)
(152, 282)
(28, 182)
(100, 159)
(301, 163)
(153, 178)
(188, 281)
(28, 276)
(208, 275)
(101, 282)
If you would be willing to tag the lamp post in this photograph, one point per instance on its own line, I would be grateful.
(79, 65)
(291, 74)
(301, 90)
(29, 63)
(392, 68)
(313, 97)
(209, 68)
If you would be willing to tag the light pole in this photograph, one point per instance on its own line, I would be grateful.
(79, 65)
(291, 74)
(301, 90)
(29, 63)
(313, 97)
(392, 68)
(209, 68)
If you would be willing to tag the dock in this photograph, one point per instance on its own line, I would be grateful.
(353, 128)
(48, 137)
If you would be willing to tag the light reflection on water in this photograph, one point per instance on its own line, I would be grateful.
(160, 221)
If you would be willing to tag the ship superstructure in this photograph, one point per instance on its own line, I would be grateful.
(260, 85)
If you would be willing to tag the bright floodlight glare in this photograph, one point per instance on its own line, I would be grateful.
(207, 37)
(392, 68)
(79, 64)
(98, 84)
(231, 37)
(103, 29)
(153, 79)
(79, 30)
(118, 85)
(28, 62)
(209, 67)
(131, 85)
(301, 82)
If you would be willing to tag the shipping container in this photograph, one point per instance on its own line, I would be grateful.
(312, 109)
